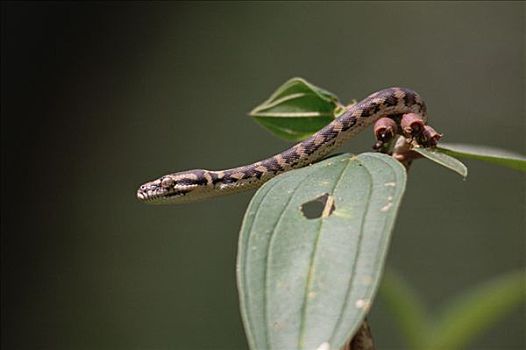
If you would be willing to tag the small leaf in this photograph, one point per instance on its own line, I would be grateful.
(477, 310)
(297, 109)
(444, 160)
(307, 279)
(489, 154)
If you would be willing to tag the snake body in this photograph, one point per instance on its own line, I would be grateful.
(198, 184)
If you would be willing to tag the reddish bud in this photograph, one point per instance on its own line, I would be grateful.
(385, 129)
(430, 137)
(412, 124)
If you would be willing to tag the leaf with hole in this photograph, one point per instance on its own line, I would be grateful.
(312, 249)
(297, 109)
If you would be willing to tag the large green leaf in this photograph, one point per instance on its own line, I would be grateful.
(308, 283)
(297, 109)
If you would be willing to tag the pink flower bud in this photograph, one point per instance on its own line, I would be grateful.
(430, 137)
(412, 124)
(385, 129)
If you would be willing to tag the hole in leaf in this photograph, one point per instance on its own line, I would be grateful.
(320, 207)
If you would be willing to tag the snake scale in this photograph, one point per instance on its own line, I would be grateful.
(198, 184)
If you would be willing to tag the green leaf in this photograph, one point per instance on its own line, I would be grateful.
(312, 248)
(488, 154)
(408, 310)
(297, 109)
(477, 310)
(443, 159)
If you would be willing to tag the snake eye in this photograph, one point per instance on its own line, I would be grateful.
(167, 182)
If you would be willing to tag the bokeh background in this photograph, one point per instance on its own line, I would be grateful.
(99, 97)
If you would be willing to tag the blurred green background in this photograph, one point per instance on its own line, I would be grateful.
(99, 97)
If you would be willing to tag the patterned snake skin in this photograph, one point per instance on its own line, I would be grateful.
(200, 184)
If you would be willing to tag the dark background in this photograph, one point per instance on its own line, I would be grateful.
(99, 97)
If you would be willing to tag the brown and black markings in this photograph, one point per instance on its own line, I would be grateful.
(391, 103)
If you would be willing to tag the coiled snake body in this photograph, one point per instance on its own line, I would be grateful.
(199, 184)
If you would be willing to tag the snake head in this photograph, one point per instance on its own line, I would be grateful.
(173, 188)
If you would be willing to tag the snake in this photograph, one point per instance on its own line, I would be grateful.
(198, 184)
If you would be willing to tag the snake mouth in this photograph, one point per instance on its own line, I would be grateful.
(150, 193)
(157, 195)
(149, 198)
(143, 196)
